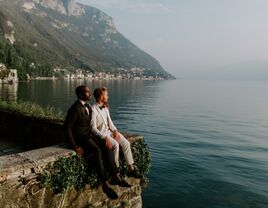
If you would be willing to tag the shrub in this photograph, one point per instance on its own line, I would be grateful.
(78, 172)
(32, 109)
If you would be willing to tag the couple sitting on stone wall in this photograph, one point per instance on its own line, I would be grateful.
(90, 129)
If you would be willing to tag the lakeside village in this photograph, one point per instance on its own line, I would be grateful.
(9, 76)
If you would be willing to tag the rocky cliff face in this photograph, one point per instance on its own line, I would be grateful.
(68, 34)
(66, 7)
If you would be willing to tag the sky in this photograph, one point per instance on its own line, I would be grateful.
(191, 36)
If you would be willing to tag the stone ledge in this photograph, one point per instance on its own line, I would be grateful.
(27, 165)
(24, 164)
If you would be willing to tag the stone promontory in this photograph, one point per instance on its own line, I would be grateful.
(29, 145)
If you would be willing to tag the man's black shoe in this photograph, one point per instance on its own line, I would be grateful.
(110, 193)
(123, 183)
(134, 174)
(120, 182)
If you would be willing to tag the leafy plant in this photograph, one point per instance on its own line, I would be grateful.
(78, 172)
(4, 73)
(32, 109)
(141, 157)
(72, 171)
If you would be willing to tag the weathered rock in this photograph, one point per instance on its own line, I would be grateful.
(19, 186)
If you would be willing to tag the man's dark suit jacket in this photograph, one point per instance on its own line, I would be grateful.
(77, 125)
(78, 132)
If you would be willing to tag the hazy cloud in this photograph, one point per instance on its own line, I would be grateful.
(188, 36)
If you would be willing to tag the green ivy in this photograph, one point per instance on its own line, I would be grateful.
(4, 73)
(141, 156)
(71, 171)
(78, 172)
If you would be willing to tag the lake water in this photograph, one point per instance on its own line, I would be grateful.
(208, 140)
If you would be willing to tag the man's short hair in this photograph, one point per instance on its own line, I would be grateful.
(99, 91)
(79, 91)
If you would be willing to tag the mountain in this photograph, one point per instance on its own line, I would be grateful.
(37, 35)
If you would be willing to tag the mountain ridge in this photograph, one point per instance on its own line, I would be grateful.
(66, 34)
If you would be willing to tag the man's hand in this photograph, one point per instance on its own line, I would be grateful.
(79, 151)
(108, 143)
(116, 135)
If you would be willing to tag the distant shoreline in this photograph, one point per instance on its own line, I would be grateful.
(87, 78)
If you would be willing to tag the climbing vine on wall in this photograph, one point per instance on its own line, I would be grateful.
(78, 172)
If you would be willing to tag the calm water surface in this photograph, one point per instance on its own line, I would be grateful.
(208, 140)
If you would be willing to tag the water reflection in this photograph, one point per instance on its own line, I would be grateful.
(208, 140)
(61, 93)
(9, 92)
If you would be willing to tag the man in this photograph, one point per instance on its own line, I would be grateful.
(78, 132)
(103, 127)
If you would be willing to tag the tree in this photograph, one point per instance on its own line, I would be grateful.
(4, 73)
(9, 57)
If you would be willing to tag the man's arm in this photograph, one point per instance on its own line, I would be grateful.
(110, 122)
(93, 124)
(116, 134)
(68, 125)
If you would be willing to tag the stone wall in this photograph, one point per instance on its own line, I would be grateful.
(29, 131)
(19, 187)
